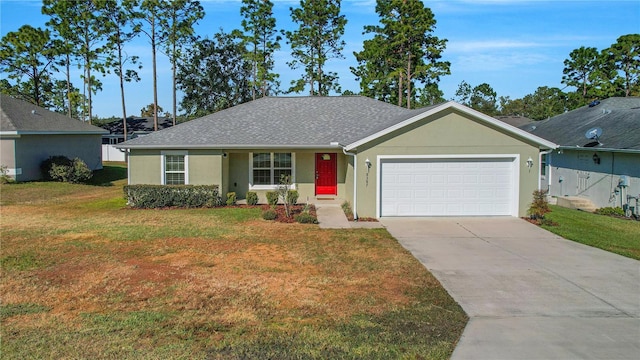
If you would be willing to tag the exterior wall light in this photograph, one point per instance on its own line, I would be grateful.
(596, 159)
(529, 162)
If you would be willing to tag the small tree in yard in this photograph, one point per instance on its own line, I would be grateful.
(539, 207)
(283, 193)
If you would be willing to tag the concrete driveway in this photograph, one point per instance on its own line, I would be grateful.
(529, 293)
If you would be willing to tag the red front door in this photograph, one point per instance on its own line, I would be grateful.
(326, 174)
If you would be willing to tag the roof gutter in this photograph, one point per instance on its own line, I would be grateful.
(580, 148)
(221, 146)
(540, 168)
(355, 177)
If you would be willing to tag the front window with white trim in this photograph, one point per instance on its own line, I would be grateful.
(266, 169)
(174, 168)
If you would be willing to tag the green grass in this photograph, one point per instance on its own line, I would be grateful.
(85, 277)
(616, 235)
(10, 310)
(110, 173)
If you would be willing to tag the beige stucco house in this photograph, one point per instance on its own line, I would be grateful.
(30, 134)
(443, 160)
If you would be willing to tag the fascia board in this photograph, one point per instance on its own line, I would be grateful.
(466, 110)
(227, 147)
(597, 149)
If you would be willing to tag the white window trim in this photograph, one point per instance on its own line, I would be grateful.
(274, 186)
(163, 177)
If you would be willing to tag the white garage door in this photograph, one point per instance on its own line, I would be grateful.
(447, 187)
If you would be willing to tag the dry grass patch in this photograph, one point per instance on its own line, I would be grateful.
(83, 277)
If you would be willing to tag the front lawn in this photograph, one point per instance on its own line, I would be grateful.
(82, 277)
(620, 236)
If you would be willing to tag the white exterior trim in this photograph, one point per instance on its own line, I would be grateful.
(274, 186)
(162, 167)
(464, 109)
(515, 173)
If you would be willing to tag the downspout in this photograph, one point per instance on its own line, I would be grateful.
(355, 182)
(540, 169)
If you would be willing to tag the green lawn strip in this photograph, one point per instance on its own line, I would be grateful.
(109, 174)
(419, 330)
(9, 310)
(619, 236)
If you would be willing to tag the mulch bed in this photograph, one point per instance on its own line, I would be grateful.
(293, 210)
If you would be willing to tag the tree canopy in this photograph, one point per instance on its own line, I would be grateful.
(402, 52)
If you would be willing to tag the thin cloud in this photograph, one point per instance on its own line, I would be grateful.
(489, 45)
(498, 62)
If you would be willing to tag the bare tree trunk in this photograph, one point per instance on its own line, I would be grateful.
(155, 76)
(124, 108)
(68, 66)
(400, 89)
(175, 61)
(409, 82)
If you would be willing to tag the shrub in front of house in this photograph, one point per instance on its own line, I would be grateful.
(252, 198)
(610, 211)
(540, 206)
(231, 198)
(61, 168)
(306, 218)
(4, 175)
(292, 197)
(162, 196)
(272, 197)
(346, 208)
(269, 214)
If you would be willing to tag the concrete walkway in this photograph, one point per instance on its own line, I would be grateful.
(529, 293)
(331, 216)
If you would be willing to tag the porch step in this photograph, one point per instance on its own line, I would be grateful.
(576, 202)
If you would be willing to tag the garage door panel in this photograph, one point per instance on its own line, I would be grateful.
(446, 187)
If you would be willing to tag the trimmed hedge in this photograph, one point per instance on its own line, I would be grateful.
(231, 198)
(272, 197)
(252, 198)
(292, 197)
(161, 196)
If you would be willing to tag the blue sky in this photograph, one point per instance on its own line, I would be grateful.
(513, 45)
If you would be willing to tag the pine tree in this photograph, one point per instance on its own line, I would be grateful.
(401, 53)
(261, 39)
(317, 40)
(28, 53)
(176, 27)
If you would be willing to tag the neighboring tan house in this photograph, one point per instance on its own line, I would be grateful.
(443, 160)
(599, 154)
(30, 134)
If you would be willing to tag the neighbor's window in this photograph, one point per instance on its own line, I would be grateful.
(267, 168)
(543, 165)
(174, 169)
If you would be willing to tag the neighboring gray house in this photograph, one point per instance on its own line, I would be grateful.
(442, 160)
(136, 126)
(599, 154)
(30, 134)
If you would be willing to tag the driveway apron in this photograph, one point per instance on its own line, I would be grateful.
(529, 294)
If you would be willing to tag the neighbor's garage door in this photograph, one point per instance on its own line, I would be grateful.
(447, 187)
